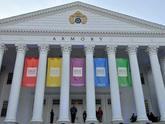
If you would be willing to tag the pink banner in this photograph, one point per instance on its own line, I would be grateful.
(77, 74)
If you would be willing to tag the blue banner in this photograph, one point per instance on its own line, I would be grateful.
(101, 72)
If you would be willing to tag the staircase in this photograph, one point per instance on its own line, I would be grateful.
(114, 123)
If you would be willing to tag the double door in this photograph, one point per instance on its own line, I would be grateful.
(105, 105)
(51, 104)
(79, 105)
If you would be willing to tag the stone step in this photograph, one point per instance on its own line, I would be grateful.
(115, 123)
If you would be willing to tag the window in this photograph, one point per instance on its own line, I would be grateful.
(56, 101)
(98, 101)
(142, 78)
(4, 109)
(10, 77)
(146, 106)
(77, 101)
(109, 101)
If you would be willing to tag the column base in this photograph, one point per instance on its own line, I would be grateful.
(93, 119)
(36, 122)
(143, 122)
(142, 119)
(161, 122)
(9, 123)
(62, 122)
(162, 119)
(91, 122)
(35, 119)
(118, 122)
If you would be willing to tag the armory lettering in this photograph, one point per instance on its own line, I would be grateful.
(77, 38)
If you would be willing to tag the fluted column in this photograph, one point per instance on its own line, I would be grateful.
(16, 84)
(65, 85)
(90, 85)
(114, 86)
(158, 80)
(40, 85)
(2, 50)
(136, 82)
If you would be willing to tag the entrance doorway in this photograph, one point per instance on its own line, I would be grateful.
(55, 107)
(79, 105)
(44, 114)
(109, 111)
(98, 104)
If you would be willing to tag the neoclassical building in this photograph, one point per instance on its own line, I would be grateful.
(79, 30)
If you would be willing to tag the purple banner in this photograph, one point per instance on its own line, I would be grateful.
(77, 74)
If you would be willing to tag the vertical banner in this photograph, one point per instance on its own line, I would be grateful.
(30, 72)
(54, 72)
(101, 72)
(123, 71)
(77, 74)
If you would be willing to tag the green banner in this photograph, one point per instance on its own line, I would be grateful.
(123, 71)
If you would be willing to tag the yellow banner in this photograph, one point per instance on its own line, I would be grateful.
(54, 72)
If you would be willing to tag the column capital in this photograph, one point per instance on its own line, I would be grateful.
(66, 48)
(43, 48)
(132, 49)
(2, 48)
(152, 50)
(111, 49)
(21, 48)
(90, 48)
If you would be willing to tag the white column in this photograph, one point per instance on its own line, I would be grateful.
(158, 80)
(90, 85)
(16, 84)
(114, 86)
(2, 50)
(136, 82)
(162, 63)
(40, 85)
(65, 85)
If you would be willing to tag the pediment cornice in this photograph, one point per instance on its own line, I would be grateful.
(80, 5)
(85, 33)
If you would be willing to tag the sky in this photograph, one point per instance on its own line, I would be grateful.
(149, 10)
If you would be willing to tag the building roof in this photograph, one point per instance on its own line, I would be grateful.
(99, 21)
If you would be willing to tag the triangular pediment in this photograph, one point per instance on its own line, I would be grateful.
(97, 20)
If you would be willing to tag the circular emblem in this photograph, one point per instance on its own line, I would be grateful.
(78, 20)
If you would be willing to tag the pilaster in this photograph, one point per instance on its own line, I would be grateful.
(2, 51)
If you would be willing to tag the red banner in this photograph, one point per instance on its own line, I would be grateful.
(30, 72)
